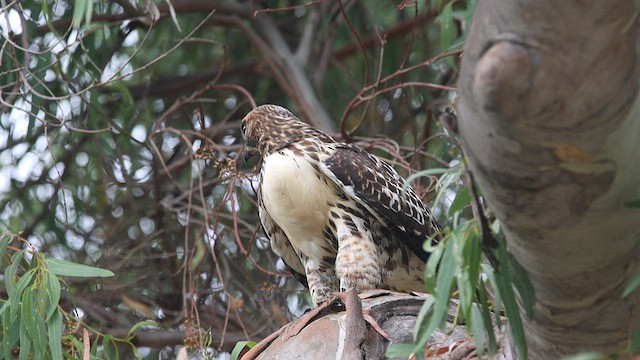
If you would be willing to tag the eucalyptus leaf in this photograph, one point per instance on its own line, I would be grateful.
(54, 330)
(399, 351)
(10, 334)
(423, 317)
(634, 346)
(446, 26)
(462, 200)
(431, 267)
(445, 278)
(240, 345)
(11, 271)
(4, 242)
(25, 343)
(52, 295)
(28, 313)
(587, 356)
(140, 324)
(79, 10)
(504, 283)
(477, 329)
(67, 268)
(18, 293)
(523, 284)
(486, 317)
(41, 338)
(109, 348)
(632, 285)
(633, 204)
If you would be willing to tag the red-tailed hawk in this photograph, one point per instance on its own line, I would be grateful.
(335, 214)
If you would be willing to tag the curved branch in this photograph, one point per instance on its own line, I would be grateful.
(298, 83)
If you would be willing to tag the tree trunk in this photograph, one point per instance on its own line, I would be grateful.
(550, 119)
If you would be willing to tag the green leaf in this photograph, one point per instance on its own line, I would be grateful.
(430, 269)
(447, 29)
(41, 338)
(4, 242)
(11, 271)
(79, 347)
(27, 312)
(486, 317)
(462, 200)
(504, 283)
(121, 88)
(5, 306)
(477, 329)
(53, 295)
(587, 356)
(199, 254)
(428, 172)
(632, 285)
(67, 268)
(95, 345)
(633, 204)
(399, 351)
(470, 266)
(79, 7)
(10, 334)
(469, 11)
(497, 298)
(88, 12)
(473, 254)
(523, 284)
(17, 294)
(634, 346)
(423, 317)
(25, 343)
(465, 293)
(446, 275)
(109, 348)
(140, 324)
(25, 281)
(240, 345)
(54, 327)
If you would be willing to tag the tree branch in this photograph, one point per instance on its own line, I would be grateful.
(298, 83)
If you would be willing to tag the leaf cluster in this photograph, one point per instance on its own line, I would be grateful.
(33, 323)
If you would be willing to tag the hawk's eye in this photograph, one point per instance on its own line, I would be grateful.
(243, 128)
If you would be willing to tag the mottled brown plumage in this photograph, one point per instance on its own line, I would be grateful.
(335, 214)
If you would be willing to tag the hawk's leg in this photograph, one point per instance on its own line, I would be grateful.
(321, 279)
(357, 262)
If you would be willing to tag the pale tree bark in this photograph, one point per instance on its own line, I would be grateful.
(550, 119)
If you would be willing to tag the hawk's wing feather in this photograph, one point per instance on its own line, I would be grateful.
(379, 188)
(282, 247)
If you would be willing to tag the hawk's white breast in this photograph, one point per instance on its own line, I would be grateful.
(297, 200)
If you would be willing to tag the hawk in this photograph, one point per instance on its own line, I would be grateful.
(336, 215)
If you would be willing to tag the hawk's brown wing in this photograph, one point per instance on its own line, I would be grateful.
(379, 188)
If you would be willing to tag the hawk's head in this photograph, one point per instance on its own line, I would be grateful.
(268, 128)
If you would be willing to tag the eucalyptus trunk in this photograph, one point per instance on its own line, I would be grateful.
(550, 119)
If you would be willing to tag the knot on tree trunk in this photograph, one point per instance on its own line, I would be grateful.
(503, 78)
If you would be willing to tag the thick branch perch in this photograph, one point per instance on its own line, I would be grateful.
(329, 333)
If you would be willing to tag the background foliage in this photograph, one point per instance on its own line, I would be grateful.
(119, 139)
